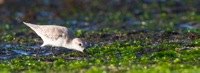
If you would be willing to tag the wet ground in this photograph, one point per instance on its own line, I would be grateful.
(12, 50)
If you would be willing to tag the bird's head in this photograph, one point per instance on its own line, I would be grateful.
(77, 44)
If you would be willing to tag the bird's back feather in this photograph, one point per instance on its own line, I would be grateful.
(51, 32)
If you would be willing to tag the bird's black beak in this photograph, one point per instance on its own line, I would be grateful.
(86, 53)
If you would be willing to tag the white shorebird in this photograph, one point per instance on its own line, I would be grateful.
(57, 36)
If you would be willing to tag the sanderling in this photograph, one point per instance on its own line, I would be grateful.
(57, 36)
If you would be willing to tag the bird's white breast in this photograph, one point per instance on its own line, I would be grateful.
(57, 42)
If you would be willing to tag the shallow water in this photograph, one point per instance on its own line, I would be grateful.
(10, 50)
(22, 52)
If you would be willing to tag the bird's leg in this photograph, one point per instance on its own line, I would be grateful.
(38, 51)
(52, 51)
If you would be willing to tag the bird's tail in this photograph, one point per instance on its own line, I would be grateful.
(32, 26)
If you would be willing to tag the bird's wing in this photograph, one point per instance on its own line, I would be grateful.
(53, 33)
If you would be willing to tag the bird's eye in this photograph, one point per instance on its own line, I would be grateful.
(80, 44)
